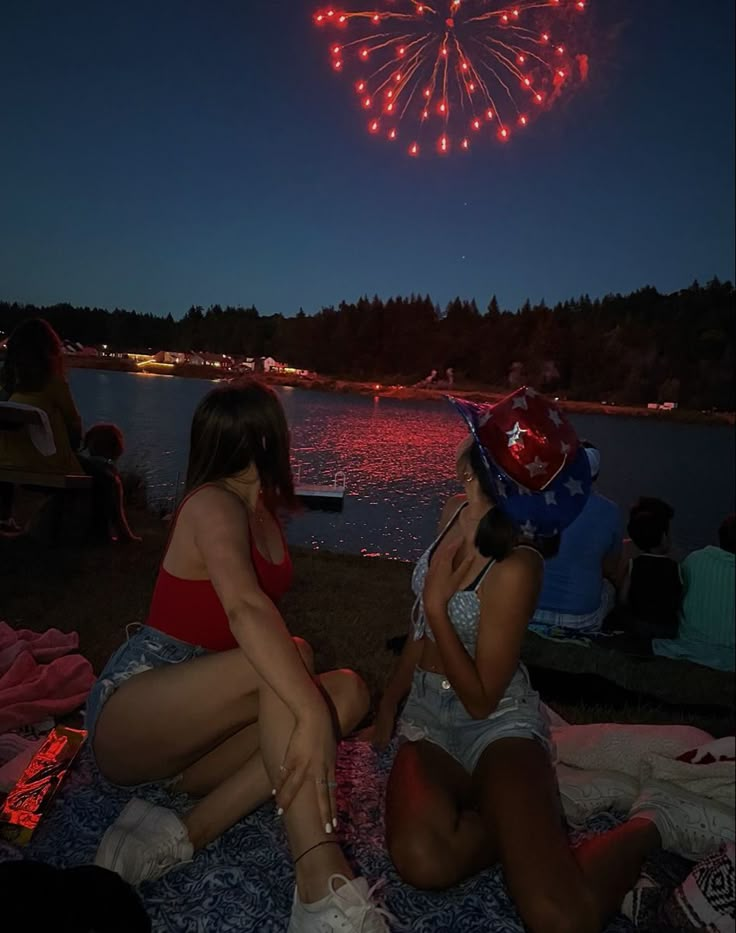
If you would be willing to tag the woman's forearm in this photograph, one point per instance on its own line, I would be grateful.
(460, 667)
(266, 642)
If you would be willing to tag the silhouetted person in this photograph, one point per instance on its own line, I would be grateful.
(103, 447)
(706, 634)
(652, 590)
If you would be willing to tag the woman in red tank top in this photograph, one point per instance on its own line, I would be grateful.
(190, 610)
(213, 695)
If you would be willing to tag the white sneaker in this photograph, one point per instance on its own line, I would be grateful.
(347, 909)
(690, 825)
(144, 843)
(585, 793)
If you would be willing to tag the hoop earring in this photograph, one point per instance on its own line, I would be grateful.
(468, 478)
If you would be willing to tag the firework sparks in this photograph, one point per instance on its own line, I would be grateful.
(442, 74)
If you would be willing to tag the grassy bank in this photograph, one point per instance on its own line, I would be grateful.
(347, 607)
(412, 393)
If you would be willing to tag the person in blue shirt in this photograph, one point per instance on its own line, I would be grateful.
(578, 592)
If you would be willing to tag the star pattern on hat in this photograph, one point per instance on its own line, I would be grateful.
(516, 435)
(537, 476)
(574, 487)
(537, 467)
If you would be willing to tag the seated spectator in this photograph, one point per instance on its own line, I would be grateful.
(652, 590)
(706, 634)
(103, 447)
(33, 374)
(578, 592)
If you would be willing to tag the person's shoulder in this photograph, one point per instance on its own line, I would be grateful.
(656, 562)
(57, 389)
(604, 504)
(451, 507)
(524, 565)
(717, 554)
(57, 383)
(209, 502)
(701, 553)
(604, 510)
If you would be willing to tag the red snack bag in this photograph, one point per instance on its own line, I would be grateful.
(30, 799)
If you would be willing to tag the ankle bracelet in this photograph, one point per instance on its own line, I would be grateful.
(325, 842)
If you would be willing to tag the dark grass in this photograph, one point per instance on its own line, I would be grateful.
(346, 606)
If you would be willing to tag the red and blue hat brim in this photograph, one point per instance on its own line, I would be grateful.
(545, 513)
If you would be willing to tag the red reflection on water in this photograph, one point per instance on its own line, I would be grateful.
(399, 460)
(380, 447)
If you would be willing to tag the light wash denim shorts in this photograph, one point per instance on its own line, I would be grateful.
(434, 713)
(144, 650)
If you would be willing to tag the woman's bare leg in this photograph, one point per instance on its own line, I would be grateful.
(434, 837)
(233, 777)
(443, 827)
(207, 773)
(556, 889)
(135, 742)
(304, 826)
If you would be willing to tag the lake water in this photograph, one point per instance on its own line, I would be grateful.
(399, 458)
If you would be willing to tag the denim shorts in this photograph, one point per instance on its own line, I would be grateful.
(434, 713)
(143, 651)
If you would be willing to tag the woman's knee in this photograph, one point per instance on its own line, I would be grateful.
(350, 697)
(306, 653)
(419, 858)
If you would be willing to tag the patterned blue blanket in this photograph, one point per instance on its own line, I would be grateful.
(243, 883)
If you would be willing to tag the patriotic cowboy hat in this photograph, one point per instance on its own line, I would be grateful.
(538, 468)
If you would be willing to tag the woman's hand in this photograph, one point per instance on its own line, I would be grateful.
(310, 756)
(379, 733)
(442, 582)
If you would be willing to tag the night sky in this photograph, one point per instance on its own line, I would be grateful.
(155, 155)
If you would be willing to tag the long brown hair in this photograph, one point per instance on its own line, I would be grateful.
(236, 426)
(33, 357)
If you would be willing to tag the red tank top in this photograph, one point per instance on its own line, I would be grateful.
(191, 611)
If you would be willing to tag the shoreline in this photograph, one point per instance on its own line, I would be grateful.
(408, 393)
(348, 609)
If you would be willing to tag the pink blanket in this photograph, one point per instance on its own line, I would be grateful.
(31, 689)
(44, 646)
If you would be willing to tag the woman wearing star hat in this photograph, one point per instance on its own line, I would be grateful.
(473, 783)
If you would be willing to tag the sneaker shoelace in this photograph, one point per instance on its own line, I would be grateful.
(166, 855)
(365, 916)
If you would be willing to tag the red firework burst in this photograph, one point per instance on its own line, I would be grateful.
(450, 70)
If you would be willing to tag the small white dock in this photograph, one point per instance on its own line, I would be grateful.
(327, 498)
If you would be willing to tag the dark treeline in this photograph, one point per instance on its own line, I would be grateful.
(628, 349)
